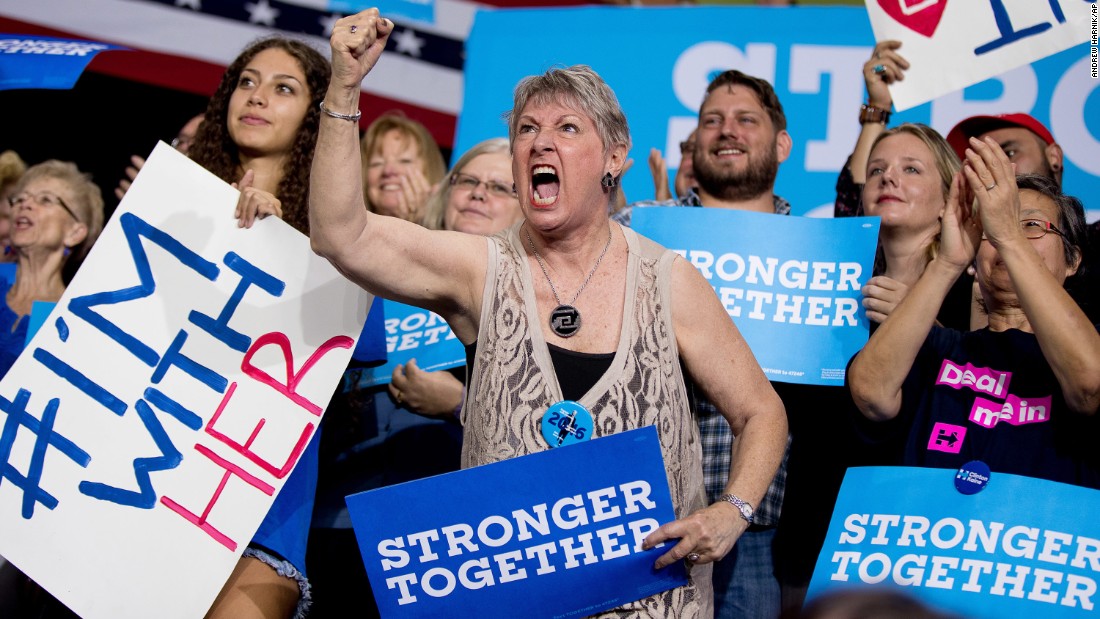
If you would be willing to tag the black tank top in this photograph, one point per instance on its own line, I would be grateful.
(577, 371)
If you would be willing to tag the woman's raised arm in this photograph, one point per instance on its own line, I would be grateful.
(878, 371)
(440, 271)
(1069, 341)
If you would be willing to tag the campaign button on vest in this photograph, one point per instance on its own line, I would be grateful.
(566, 423)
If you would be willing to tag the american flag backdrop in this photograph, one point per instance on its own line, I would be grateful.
(186, 44)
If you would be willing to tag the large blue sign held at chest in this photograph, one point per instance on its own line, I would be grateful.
(550, 534)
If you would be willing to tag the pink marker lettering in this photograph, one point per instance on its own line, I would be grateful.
(244, 448)
(983, 380)
(289, 388)
(201, 521)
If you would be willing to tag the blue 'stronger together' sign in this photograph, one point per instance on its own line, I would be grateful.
(552, 534)
(1021, 547)
(797, 302)
(45, 62)
(414, 333)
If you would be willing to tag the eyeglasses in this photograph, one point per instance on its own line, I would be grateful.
(687, 147)
(1036, 229)
(469, 183)
(44, 199)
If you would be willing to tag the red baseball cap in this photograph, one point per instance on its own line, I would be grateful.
(975, 126)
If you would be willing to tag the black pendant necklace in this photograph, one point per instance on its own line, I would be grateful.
(565, 320)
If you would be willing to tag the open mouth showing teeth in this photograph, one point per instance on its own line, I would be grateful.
(544, 180)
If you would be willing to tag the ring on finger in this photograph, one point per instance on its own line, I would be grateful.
(991, 186)
(693, 557)
(353, 28)
(879, 69)
(398, 397)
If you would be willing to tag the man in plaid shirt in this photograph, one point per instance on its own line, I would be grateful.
(739, 144)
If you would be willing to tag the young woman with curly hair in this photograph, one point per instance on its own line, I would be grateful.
(263, 119)
(259, 133)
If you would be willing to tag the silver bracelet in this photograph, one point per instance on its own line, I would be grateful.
(352, 117)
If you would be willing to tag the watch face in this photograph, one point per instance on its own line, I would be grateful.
(746, 510)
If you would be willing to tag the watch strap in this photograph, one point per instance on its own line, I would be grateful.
(743, 507)
(869, 114)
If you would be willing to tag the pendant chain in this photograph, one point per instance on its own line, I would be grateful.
(547, 275)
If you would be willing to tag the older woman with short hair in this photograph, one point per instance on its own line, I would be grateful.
(1038, 415)
(57, 213)
(595, 313)
(478, 195)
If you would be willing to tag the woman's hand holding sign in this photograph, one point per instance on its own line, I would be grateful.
(705, 536)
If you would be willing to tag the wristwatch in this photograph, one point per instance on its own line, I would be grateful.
(742, 506)
(868, 114)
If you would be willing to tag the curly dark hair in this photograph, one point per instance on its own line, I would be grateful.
(215, 150)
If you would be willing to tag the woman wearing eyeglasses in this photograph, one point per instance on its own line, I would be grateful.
(376, 441)
(56, 215)
(477, 197)
(1022, 394)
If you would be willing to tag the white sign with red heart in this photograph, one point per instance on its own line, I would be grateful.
(951, 44)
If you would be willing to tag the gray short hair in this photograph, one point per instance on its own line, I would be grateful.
(87, 204)
(579, 87)
(437, 204)
(1071, 213)
(88, 198)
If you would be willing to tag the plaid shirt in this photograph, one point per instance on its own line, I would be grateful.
(714, 430)
(717, 438)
